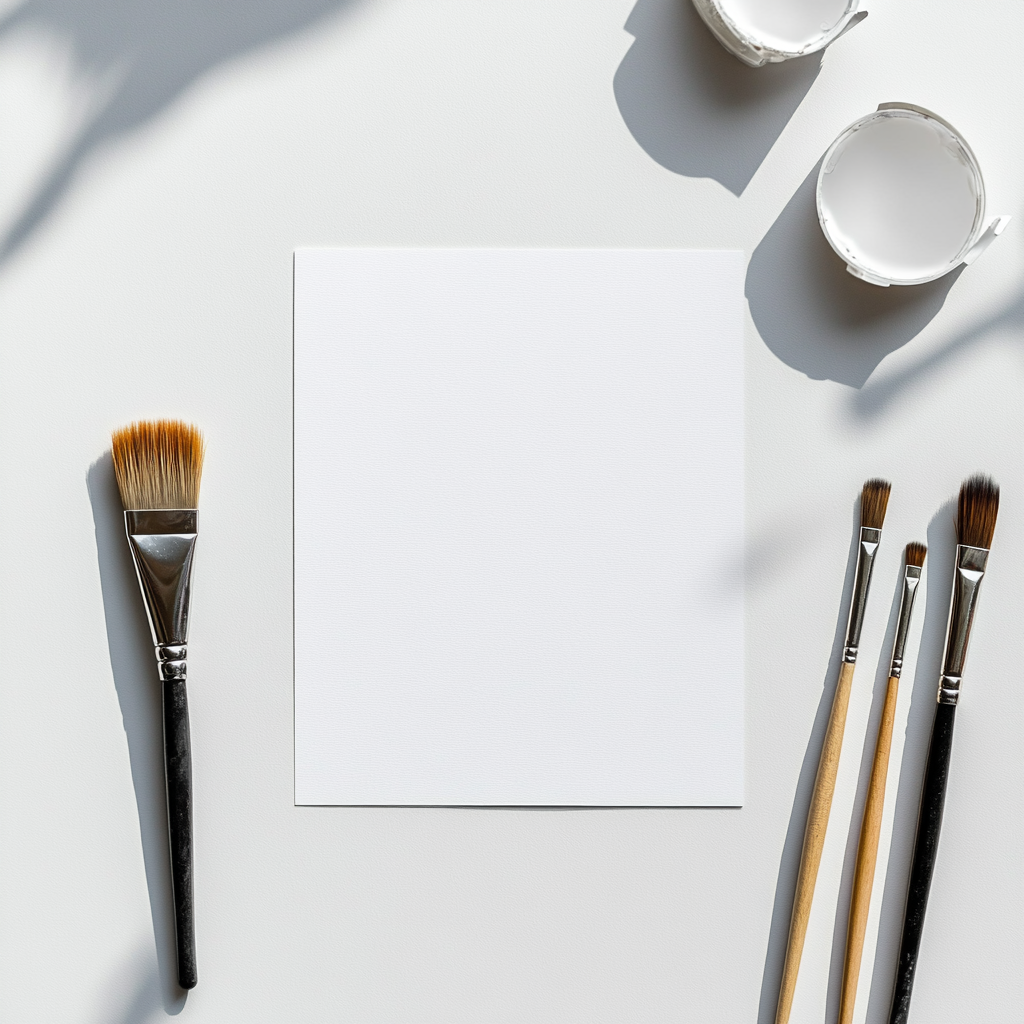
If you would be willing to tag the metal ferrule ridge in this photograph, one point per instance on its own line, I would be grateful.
(162, 542)
(866, 551)
(911, 581)
(970, 570)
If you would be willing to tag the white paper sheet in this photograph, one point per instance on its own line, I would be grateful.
(518, 527)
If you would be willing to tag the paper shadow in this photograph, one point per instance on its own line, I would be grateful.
(145, 54)
(696, 109)
(816, 317)
(941, 558)
(785, 886)
(138, 693)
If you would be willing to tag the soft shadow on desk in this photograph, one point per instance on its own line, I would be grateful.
(875, 399)
(137, 57)
(785, 887)
(816, 317)
(133, 996)
(696, 109)
(941, 557)
(138, 692)
(583, 808)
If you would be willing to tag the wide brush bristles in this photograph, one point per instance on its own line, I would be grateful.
(874, 498)
(915, 553)
(158, 464)
(976, 512)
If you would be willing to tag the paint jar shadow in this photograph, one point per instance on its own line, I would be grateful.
(814, 315)
(695, 108)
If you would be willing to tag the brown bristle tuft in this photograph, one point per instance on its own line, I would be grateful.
(976, 512)
(915, 553)
(873, 501)
(158, 464)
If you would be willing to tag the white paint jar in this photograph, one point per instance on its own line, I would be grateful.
(769, 31)
(901, 198)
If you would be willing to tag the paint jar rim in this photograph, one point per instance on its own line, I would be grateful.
(859, 267)
(755, 51)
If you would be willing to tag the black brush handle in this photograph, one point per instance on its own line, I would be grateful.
(926, 847)
(178, 774)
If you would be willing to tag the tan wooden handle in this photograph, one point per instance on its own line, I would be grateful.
(867, 855)
(814, 840)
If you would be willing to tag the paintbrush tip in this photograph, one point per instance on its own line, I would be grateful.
(158, 464)
(874, 497)
(915, 553)
(976, 512)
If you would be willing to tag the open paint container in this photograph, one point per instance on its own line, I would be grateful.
(901, 198)
(768, 31)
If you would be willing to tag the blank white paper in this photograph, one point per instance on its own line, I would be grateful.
(518, 527)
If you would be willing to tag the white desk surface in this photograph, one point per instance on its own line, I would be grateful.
(158, 165)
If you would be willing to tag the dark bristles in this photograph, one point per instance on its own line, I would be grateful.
(873, 501)
(915, 553)
(976, 512)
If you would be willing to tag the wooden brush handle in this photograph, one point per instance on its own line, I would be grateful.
(867, 855)
(178, 775)
(926, 846)
(814, 840)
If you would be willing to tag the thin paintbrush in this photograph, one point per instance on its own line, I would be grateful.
(158, 467)
(975, 524)
(871, 826)
(873, 501)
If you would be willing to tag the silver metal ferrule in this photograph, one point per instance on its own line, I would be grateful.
(911, 581)
(862, 580)
(162, 542)
(970, 569)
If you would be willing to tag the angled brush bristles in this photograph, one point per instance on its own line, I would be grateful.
(976, 512)
(158, 464)
(915, 553)
(874, 497)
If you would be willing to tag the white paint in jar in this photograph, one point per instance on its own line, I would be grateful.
(769, 31)
(901, 198)
(791, 25)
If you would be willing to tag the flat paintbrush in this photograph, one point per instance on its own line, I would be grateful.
(975, 524)
(873, 501)
(158, 467)
(871, 825)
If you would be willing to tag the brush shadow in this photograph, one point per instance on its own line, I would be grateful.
(941, 557)
(696, 109)
(134, 993)
(816, 317)
(785, 887)
(145, 1002)
(138, 693)
(878, 693)
(140, 57)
